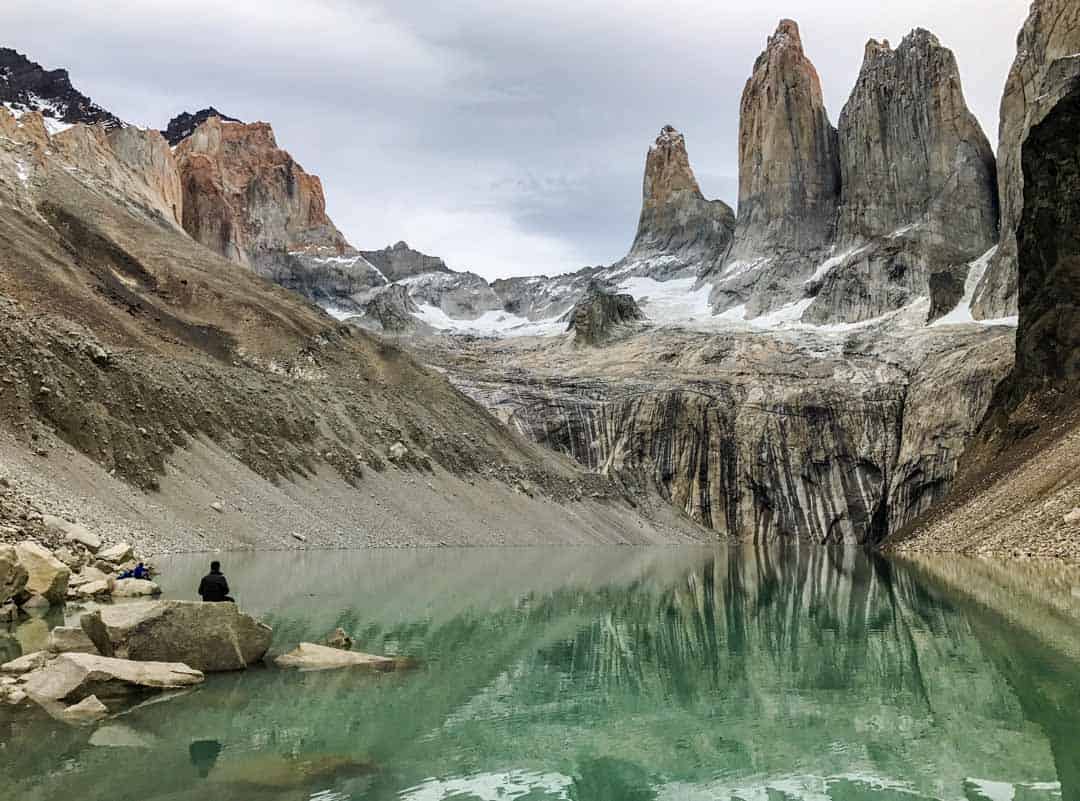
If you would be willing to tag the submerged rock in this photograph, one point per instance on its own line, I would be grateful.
(88, 710)
(309, 656)
(207, 636)
(73, 677)
(65, 639)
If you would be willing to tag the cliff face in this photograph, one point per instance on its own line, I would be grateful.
(247, 200)
(919, 197)
(911, 153)
(1046, 66)
(764, 437)
(679, 231)
(1018, 488)
(789, 173)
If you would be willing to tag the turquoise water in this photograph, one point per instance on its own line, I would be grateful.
(606, 675)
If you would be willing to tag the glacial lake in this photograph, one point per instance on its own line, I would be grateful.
(605, 674)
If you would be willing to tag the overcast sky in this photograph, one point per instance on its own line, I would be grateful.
(507, 137)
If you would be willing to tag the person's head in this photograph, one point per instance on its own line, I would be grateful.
(215, 566)
(140, 565)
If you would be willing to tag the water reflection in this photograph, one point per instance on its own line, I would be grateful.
(594, 674)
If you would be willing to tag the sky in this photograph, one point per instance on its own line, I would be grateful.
(507, 137)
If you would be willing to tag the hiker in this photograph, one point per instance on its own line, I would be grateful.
(214, 588)
(140, 571)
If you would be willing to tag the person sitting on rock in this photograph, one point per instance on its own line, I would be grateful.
(214, 588)
(137, 572)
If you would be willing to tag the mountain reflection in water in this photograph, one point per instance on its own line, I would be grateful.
(618, 674)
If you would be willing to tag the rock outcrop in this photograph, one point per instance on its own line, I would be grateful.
(184, 124)
(247, 200)
(392, 310)
(919, 192)
(209, 637)
(789, 176)
(1046, 69)
(27, 86)
(600, 315)
(401, 261)
(73, 677)
(679, 231)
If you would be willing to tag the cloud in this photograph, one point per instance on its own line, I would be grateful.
(528, 120)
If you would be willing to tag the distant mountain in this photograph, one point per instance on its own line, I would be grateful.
(184, 124)
(27, 86)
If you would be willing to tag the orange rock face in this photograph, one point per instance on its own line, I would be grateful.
(247, 199)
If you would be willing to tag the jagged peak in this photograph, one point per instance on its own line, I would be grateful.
(184, 124)
(787, 35)
(920, 37)
(669, 137)
(875, 48)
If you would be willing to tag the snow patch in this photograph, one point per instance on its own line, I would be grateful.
(737, 268)
(669, 302)
(23, 171)
(490, 323)
(962, 314)
(832, 262)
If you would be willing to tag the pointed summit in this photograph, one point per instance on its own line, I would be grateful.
(789, 170)
(912, 153)
(679, 230)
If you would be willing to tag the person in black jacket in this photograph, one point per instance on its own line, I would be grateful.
(214, 588)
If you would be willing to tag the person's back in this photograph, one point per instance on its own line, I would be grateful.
(214, 588)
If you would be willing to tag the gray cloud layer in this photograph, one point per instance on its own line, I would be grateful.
(508, 138)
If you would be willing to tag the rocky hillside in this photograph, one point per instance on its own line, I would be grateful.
(149, 385)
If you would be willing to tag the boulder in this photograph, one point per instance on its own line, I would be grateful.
(309, 656)
(338, 639)
(47, 575)
(207, 636)
(74, 558)
(73, 677)
(88, 710)
(64, 639)
(26, 663)
(134, 588)
(92, 589)
(115, 554)
(13, 576)
(86, 576)
(72, 533)
(398, 452)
